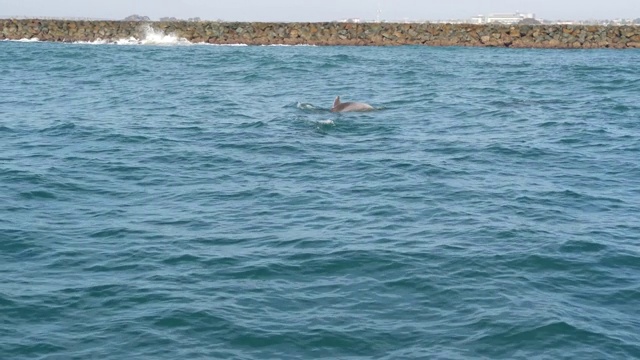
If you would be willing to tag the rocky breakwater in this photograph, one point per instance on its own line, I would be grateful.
(68, 31)
(520, 36)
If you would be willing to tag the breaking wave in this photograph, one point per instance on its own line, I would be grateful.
(150, 36)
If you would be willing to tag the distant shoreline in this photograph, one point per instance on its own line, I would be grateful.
(329, 33)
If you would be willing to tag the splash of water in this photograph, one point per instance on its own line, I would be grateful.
(305, 106)
(153, 36)
(150, 36)
(24, 40)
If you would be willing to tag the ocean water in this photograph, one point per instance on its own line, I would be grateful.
(202, 202)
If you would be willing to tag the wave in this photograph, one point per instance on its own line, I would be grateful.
(155, 37)
(150, 36)
(306, 106)
(23, 40)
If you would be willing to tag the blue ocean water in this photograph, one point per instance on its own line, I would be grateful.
(202, 202)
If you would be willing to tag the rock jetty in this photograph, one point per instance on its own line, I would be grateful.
(516, 36)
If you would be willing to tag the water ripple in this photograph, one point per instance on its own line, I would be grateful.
(203, 202)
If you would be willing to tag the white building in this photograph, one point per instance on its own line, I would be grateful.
(501, 18)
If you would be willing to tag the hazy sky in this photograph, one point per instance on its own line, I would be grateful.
(316, 10)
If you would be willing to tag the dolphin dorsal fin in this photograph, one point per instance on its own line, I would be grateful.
(336, 102)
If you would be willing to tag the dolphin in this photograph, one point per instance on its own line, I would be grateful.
(349, 106)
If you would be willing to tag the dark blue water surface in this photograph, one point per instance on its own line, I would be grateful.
(201, 202)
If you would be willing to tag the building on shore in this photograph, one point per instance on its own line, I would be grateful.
(501, 18)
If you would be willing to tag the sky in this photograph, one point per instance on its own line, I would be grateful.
(316, 10)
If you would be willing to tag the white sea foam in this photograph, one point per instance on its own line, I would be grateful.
(152, 36)
(96, 42)
(305, 106)
(157, 37)
(24, 40)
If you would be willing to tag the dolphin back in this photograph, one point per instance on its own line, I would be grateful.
(339, 106)
(355, 106)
